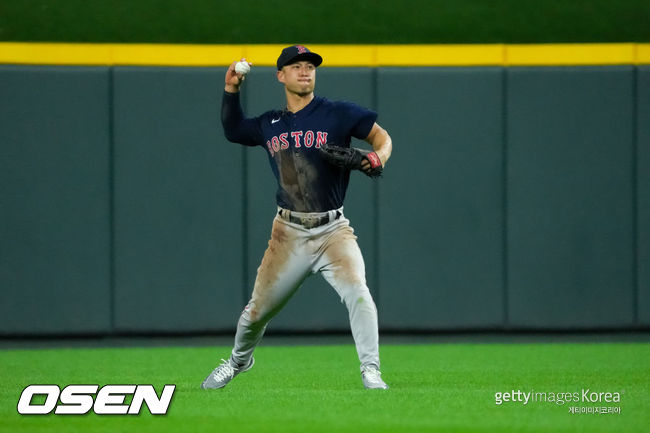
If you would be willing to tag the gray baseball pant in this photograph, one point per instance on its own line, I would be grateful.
(293, 254)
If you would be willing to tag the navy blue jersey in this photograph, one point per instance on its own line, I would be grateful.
(306, 182)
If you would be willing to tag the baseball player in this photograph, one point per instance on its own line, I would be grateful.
(308, 145)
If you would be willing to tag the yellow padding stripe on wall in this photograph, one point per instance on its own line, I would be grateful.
(334, 55)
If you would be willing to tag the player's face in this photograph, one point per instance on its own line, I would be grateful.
(299, 77)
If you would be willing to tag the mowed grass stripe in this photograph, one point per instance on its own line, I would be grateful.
(318, 388)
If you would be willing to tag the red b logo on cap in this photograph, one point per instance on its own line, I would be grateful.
(301, 49)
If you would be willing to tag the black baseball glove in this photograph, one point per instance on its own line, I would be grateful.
(353, 159)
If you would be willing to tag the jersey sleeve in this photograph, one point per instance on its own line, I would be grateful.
(360, 120)
(236, 127)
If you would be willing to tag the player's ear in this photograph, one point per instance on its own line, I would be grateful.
(280, 75)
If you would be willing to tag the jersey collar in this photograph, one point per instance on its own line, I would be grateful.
(307, 109)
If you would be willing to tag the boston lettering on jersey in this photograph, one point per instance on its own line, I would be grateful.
(298, 139)
(306, 182)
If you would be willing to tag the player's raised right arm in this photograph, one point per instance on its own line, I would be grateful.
(237, 128)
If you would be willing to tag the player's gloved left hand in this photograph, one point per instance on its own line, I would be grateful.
(353, 159)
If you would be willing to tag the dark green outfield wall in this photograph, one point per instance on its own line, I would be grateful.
(516, 198)
(643, 192)
(55, 217)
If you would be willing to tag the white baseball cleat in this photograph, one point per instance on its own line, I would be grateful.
(371, 378)
(224, 373)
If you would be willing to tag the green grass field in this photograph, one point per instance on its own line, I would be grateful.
(434, 388)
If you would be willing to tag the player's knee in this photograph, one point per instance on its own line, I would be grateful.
(251, 322)
(257, 317)
(357, 295)
(252, 314)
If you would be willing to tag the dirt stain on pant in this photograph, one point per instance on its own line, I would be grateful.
(344, 255)
(275, 259)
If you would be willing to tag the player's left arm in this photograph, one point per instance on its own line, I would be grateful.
(381, 144)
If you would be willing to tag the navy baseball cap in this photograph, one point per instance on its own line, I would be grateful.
(296, 53)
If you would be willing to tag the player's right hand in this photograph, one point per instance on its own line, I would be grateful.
(233, 79)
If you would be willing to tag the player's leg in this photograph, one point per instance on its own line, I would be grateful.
(342, 265)
(284, 267)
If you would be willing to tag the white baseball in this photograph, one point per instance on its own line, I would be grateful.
(242, 68)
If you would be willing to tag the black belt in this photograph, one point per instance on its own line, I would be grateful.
(308, 222)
